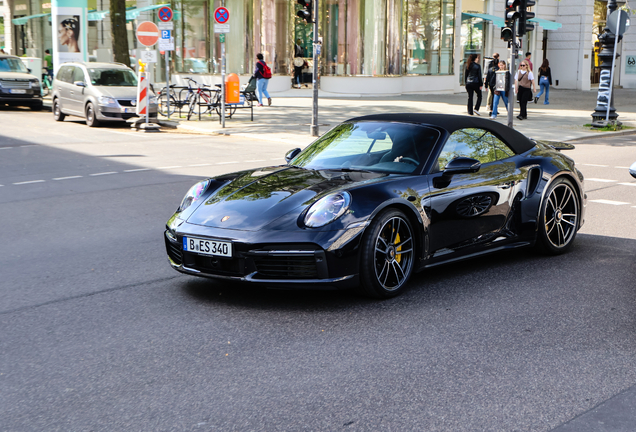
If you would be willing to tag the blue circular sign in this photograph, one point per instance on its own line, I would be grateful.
(221, 15)
(165, 14)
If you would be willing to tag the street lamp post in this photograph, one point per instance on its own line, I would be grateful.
(605, 95)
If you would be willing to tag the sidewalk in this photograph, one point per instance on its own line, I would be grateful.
(289, 117)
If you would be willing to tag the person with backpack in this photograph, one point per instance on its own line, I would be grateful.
(262, 73)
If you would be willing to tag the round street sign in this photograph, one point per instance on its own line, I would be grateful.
(618, 22)
(221, 15)
(165, 14)
(147, 33)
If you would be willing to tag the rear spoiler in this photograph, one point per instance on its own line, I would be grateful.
(557, 145)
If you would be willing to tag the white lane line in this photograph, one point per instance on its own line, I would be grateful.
(628, 184)
(198, 165)
(29, 145)
(67, 178)
(276, 158)
(137, 170)
(5, 148)
(225, 163)
(621, 167)
(600, 180)
(602, 201)
(29, 182)
(596, 165)
(256, 160)
(104, 173)
(169, 167)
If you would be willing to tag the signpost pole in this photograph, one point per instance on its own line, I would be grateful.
(512, 68)
(314, 115)
(147, 92)
(223, 81)
(167, 60)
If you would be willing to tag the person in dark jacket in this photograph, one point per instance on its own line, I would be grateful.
(525, 86)
(501, 93)
(491, 80)
(473, 82)
(545, 81)
(261, 81)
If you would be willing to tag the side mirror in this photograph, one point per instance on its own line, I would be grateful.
(291, 155)
(80, 83)
(29, 69)
(632, 170)
(462, 165)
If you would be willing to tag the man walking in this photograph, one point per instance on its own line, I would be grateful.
(528, 55)
(491, 80)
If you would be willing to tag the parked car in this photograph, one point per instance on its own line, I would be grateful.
(98, 92)
(376, 199)
(18, 86)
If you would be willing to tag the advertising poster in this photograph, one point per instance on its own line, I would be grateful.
(69, 27)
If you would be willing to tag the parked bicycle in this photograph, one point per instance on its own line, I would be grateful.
(177, 100)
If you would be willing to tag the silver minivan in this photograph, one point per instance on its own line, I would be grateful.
(98, 92)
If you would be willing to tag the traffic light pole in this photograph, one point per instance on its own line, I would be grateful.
(513, 69)
(316, 53)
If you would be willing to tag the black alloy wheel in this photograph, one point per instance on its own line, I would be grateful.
(387, 256)
(559, 217)
(58, 115)
(91, 120)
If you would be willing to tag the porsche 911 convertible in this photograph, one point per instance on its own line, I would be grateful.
(377, 198)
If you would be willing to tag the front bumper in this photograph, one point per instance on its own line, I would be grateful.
(299, 260)
(108, 113)
(30, 97)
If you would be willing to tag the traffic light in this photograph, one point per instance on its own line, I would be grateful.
(525, 16)
(305, 12)
(506, 34)
(511, 12)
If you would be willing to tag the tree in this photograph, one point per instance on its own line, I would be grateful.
(118, 31)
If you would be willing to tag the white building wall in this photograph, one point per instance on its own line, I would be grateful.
(629, 49)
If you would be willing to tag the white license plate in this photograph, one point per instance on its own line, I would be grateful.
(17, 91)
(207, 247)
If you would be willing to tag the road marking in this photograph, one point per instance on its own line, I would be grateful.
(6, 148)
(256, 160)
(622, 167)
(29, 182)
(602, 201)
(596, 165)
(276, 158)
(224, 163)
(198, 165)
(67, 178)
(628, 184)
(29, 145)
(137, 170)
(170, 167)
(104, 173)
(600, 180)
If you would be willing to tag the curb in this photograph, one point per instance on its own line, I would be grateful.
(604, 135)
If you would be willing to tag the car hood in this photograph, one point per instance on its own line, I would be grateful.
(16, 75)
(118, 92)
(255, 199)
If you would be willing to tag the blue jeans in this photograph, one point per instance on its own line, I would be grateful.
(495, 102)
(544, 83)
(261, 89)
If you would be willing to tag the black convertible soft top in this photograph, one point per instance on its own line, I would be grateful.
(516, 140)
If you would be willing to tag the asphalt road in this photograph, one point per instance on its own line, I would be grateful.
(98, 333)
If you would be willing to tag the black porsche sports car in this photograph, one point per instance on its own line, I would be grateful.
(377, 198)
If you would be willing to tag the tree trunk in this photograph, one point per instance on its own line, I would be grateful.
(118, 31)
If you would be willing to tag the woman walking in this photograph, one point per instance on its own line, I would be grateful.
(524, 85)
(473, 81)
(501, 92)
(545, 81)
(262, 73)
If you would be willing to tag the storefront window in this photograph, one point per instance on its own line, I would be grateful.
(430, 36)
(277, 31)
(191, 41)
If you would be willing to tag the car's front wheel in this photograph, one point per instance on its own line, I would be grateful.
(58, 115)
(91, 120)
(387, 255)
(559, 217)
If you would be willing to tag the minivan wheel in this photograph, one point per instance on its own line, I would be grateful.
(58, 115)
(91, 120)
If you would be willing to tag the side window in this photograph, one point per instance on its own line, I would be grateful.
(65, 73)
(473, 143)
(78, 75)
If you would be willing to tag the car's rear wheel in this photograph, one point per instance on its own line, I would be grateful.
(58, 115)
(559, 217)
(387, 256)
(91, 120)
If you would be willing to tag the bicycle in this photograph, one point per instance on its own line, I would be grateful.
(210, 101)
(176, 102)
(47, 84)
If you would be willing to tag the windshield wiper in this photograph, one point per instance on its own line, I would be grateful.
(353, 170)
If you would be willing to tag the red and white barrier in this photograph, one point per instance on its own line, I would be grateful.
(142, 94)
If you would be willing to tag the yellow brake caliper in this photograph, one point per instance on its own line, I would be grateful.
(398, 256)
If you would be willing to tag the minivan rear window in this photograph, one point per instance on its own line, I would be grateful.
(112, 77)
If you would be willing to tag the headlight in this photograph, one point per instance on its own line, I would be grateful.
(193, 194)
(35, 84)
(105, 100)
(327, 209)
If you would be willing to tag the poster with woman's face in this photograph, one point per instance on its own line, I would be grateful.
(69, 34)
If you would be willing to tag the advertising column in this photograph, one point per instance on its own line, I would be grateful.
(69, 26)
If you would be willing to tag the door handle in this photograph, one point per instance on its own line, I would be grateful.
(506, 185)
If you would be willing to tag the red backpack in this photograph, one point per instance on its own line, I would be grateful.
(267, 72)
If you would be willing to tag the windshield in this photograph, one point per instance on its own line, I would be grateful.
(370, 146)
(12, 65)
(113, 77)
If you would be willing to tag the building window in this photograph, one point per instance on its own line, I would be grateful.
(191, 41)
(429, 36)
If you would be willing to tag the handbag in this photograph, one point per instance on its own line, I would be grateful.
(299, 62)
